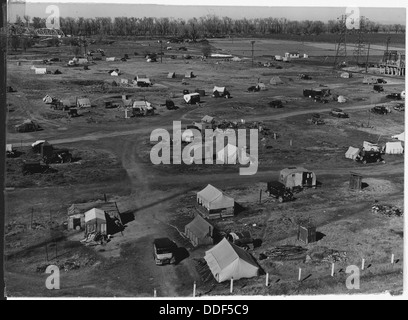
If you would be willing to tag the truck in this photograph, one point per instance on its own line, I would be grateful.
(164, 251)
(279, 191)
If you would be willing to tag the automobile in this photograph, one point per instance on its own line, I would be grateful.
(394, 96)
(378, 88)
(31, 167)
(380, 110)
(339, 113)
(379, 80)
(36, 146)
(321, 99)
(275, 104)
(241, 239)
(58, 156)
(163, 251)
(305, 77)
(279, 191)
(399, 107)
(369, 157)
(317, 121)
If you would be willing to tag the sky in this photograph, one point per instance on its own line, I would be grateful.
(391, 11)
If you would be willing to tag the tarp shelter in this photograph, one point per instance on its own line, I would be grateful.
(48, 99)
(394, 147)
(215, 203)
(276, 80)
(40, 70)
(207, 119)
(171, 75)
(124, 81)
(95, 221)
(368, 146)
(230, 154)
(192, 98)
(341, 99)
(189, 74)
(27, 126)
(84, 103)
(228, 261)
(297, 177)
(219, 91)
(82, 61)
(199, 232)
(9, 148)
(400, 137)
(110, 59)
(352, 153)
(261, 86)
(115, 73)
(143, 107)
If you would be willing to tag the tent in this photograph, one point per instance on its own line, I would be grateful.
(352, 153)
(207, 119)
(192, 98)
(95, 221)
(69, 102)
(9, 148)
(368, 146)
(143, 107)
(82, 61)
(199, 231)
(236, 59)
(341, 99)
(227, 261)
(110, 59)
(228, 155)
(124, 81)
(115, 73)
(219, 91)
(261, 86)
(189, 74)
(187, 136)
(40, 70)
(297, 177)
(171, 75)
(346, 75)
(394, 148)
(215, 203)
(370, 80)
(48, 99)
(276, 80)
(84, 103)
(400, 137)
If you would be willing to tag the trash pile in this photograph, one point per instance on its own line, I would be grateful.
(386, 210)
(326, 255)
(94, 239)
(287, 252)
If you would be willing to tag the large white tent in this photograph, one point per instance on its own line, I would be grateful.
(400, 137)
(394, 148)
(213, 199)
(227, 261)
(352, 153)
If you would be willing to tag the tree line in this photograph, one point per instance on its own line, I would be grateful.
(207, 26)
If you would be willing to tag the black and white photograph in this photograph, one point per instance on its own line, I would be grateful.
(203, 150)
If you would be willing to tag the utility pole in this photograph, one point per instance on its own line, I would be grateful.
(368, 55)
(252, 43)
(161, 51)
(341, 48)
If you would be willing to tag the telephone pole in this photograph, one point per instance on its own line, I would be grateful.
(341, 49)
(252, 43)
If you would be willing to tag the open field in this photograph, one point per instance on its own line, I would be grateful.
(113, 160)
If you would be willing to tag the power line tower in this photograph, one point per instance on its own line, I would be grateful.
(360, 48)
(341, 46)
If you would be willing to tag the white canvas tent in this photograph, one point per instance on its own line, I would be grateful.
(40, 70)
(213, 199)
(199, 231)
(400, 137)
(84, 103)
(394, 148)
(48, 99)
(95, 221)
(352, 153)
(341, 99)
(110, 59)
(9, 148)
(227, 261)
(236, 59)
(191, 96)
(276, 80)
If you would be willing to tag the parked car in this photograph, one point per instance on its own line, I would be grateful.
(394, 96)
(380, 110)
(31, 167)
(321, 99)
(380, 80)
(305, 77)
(339, 113)
(163, 251)
(279, 191)
(399, 107)
(58, 156)
(241, 239)
(378, 88)
(369, 157)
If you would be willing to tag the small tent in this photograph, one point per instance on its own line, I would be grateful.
(294, 177)
(207, 119)
(84, 103)
(189, 74)
(370, 80)
(346, 75)
(192, 98)
(227, 261)
(341, 99)
(9, 148)
(115, 73)
(40, 70)
(143, 108)
(27, 126)
(400, 137)
(48, 99)
(199, 231)
(82, 61)
(215, 203)
(276, 80)
(261, 86)
(352, 153)
(110, 59)
(69, 102)
(95, 221)
(171, 75)
(394, 148)
(219, 91)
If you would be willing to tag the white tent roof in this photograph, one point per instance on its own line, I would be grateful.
(219, 89)
(370, 146)
(94, 214)
(227, 261)
(214, 199)
(144, 105)
(394, 148)
(200, 227)
(400, 137)
(352, 153)
(187, 97)
(9, 147)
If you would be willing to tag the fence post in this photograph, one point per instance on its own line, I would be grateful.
(232, 285)
(392, 259)
(332, 271)
(363, 264)
(300, 274)
(267, 279)
(154, 293)
(194, 289)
